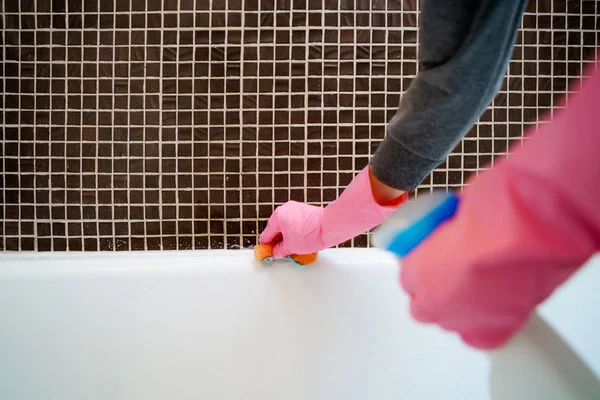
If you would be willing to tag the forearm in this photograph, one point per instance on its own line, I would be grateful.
(464, 53)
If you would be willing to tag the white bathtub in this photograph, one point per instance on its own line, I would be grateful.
(217, 325)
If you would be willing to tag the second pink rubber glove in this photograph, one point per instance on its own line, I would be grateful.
(522, 229)
(299, 228)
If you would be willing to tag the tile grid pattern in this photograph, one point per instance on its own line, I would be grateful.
(181, 124)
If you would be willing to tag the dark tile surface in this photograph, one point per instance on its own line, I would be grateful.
(181, 124)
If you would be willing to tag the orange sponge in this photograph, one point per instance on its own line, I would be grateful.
(265, 251)
(304, 259)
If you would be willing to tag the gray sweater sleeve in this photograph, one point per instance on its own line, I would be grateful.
(464, 51)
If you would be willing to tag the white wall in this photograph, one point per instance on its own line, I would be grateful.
(216, 325)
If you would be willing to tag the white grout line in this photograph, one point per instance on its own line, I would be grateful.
(209, 211)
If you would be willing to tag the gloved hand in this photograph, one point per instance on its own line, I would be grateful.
(522, 229)
(299, 228)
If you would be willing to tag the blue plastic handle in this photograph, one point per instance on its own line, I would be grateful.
(406, 240)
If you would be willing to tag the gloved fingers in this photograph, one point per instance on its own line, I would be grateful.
(280, 251)
(431, 270)
(272, 232)
(419, 313)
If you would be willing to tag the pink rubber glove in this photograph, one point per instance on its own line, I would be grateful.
(299, 228)
(522, 229)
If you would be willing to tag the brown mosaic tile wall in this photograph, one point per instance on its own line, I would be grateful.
(181, 124)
